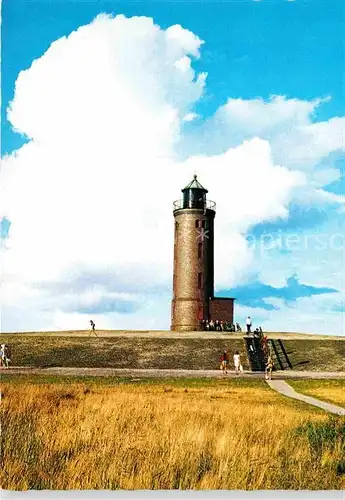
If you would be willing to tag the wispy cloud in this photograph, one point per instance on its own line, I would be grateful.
(259, 295)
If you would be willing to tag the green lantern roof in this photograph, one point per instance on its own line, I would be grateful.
(195, 184)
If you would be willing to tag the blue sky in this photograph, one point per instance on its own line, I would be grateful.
(253, 50)
(255, 293)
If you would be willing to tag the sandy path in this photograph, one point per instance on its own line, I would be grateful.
(283, 388)
(154, 373)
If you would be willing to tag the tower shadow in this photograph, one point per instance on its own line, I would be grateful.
(279, 354)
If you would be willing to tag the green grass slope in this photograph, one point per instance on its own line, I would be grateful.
(120, 352)
(161, 353)
(316, 355)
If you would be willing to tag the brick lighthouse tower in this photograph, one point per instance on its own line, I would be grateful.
(193, 257)
(193, 282)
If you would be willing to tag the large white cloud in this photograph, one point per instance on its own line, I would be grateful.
(90, 195)
(286, 123)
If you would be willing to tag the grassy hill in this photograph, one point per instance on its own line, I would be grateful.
(172, 334)
(171, 351)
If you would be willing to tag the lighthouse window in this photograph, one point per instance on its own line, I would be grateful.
(197, 224)
(199, 280)
(199, 250)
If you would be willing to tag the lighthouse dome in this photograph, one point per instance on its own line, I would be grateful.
(194, 195)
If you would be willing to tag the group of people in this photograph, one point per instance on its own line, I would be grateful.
(210, 325)
(220, 326)
(258, 334)
(224, 364)
(227, 326)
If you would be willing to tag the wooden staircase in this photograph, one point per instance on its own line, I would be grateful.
(255, 354)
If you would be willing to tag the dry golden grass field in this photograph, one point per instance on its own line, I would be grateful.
(186, 434)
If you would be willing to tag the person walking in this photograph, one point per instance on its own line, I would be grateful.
(237, 362)
(249, 325)
(269, 368)
(4, 355)
(93, 328)
(264, 343)
(224, 361)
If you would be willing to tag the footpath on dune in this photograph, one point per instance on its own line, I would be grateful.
(165, 373)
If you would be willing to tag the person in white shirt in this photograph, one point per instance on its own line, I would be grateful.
(237, 362)
(249, 324)
(4, 355)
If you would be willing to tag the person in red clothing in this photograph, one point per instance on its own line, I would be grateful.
(224, 361)
(264, 343)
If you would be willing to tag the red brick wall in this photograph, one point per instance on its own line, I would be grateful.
(222, 309)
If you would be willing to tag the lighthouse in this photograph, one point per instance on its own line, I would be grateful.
(193, 279)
